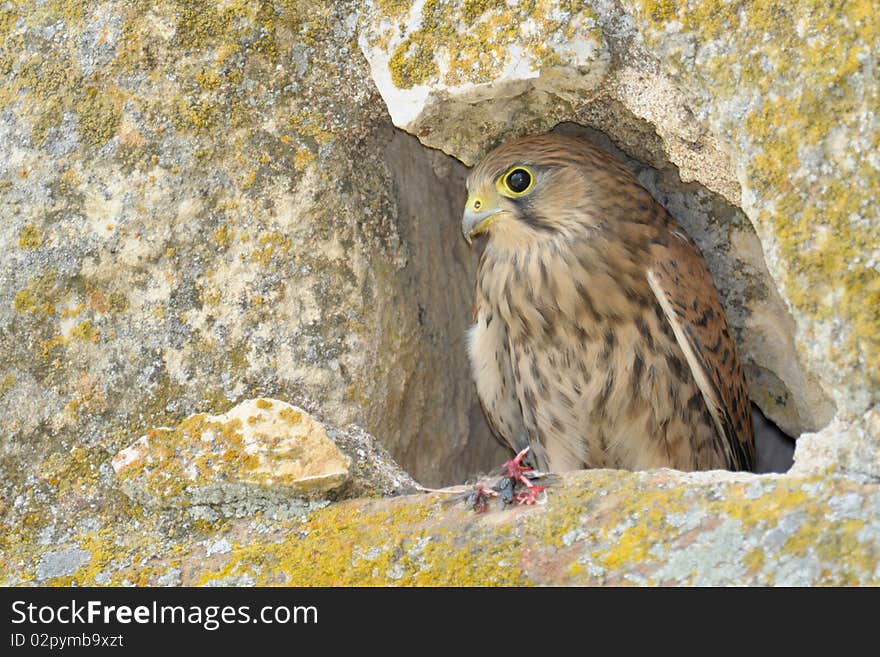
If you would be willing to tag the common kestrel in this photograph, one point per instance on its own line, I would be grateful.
(599, 339)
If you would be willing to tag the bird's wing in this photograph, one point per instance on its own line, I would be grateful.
(683, 285)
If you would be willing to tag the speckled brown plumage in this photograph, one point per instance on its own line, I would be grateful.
(599, 337)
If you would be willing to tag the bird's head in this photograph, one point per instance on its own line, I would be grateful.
(537, 187)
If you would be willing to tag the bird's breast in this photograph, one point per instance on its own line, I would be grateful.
(542, 292)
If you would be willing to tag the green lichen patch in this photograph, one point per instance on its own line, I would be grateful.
(54, 87)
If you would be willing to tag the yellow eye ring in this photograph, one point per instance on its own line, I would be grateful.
(518, 181)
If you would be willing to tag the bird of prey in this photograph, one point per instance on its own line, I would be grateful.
(599, 339)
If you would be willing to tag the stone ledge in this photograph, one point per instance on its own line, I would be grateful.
(596, 527)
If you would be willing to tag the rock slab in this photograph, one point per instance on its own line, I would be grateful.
(260, 448)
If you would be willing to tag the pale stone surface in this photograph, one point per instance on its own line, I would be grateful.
(262, 455)
(850, 446)
(62, 563)
(426, 55)
(260, 448)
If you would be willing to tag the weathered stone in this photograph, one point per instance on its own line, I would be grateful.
(850, 446)
(437, 63)
(595, 527)
(62, 563)
(799, 115)
(373, 473)
(261, 452)
(206, 203)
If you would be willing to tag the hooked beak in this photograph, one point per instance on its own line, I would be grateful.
(477, 217)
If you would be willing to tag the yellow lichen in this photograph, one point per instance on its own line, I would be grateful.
(754, 560)
(7, 383)
(38, 297)
(475, 39)
(117, 302)
(30, 237)
(632, 547)
(303, 158)
(290, 416)
(223, 236)
(268, 244)
(86, 331)
(423, 541)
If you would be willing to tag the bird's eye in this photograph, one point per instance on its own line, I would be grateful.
(517, 181)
